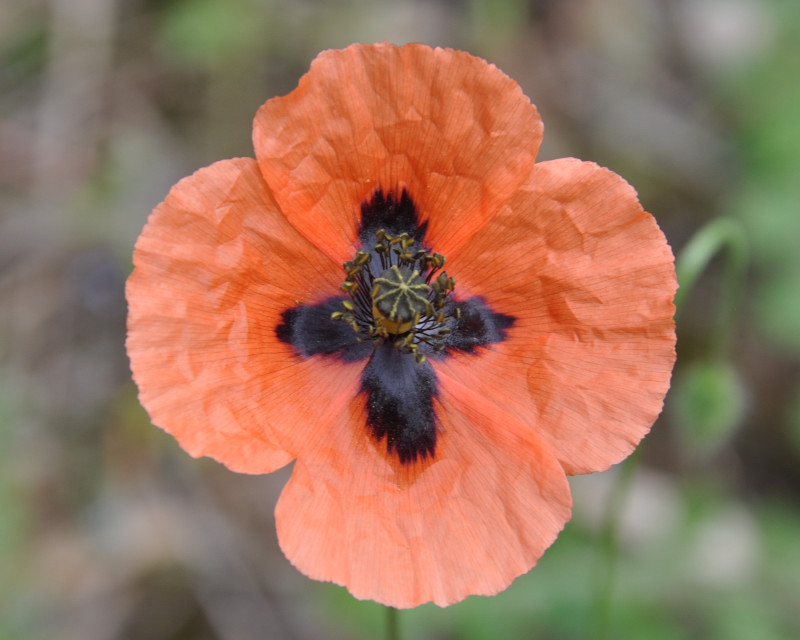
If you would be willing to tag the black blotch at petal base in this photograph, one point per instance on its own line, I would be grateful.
(310, 330)
(393, 215)
(478, 326)
(400, 395)
(399, 391)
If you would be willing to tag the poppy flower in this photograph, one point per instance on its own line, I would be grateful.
(436, 329)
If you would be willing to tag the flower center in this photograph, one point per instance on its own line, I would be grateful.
(395, 295)
(399, 299)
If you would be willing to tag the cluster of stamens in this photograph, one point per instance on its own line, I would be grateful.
(404, 302)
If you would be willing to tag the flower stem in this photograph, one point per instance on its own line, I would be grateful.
(722, 234)
(718, 235)
(392, 624)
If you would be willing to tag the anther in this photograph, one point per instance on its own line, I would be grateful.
(402, 300)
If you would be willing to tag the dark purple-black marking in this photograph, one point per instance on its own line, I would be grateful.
(399, 391)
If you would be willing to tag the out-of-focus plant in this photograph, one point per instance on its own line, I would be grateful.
(708, 395)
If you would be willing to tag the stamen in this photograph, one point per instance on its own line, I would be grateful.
(400, 297)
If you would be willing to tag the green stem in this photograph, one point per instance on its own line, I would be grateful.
(392, 624)
(718, 235)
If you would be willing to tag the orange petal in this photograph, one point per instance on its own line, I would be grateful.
(216, 265)
(590, 279)
(453, 129)
(465, 523)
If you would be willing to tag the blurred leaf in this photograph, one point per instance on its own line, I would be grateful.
(23, 52)
(15, 518)
(764, 103)
(781, 525)
(745, 618)
(778, 306)
(498, 21)
(710, 404)
(13, 511)
(769, 212)
(209, 31)
(794, 419)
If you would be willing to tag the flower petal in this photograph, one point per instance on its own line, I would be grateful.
(453, 129)
(469, 521)
(590, 279)
(216, 265)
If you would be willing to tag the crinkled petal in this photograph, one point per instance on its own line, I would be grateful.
(453, 129)
(216, 265)
(467, 522)
(590, 279)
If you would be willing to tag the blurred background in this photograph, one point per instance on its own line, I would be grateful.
(108, 530)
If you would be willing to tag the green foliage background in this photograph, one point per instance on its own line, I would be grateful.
(108, 530)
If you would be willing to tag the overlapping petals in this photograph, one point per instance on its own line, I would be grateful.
(562, 247)
(453, 129)
(216, 266)
(590, 279)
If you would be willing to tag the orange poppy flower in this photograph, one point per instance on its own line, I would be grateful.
(433, 409)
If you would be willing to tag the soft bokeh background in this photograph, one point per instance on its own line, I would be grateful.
(109, 530)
